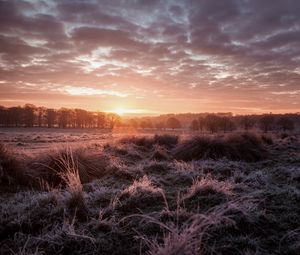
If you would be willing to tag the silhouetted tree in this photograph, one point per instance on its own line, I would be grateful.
(63, 117)
(41, 111)
(113, 119)
(201, 123)
(226, 124)
(247, 122)
(14, 116)
(29, 115)
(146, 124)
(133, 123)
(50, 117)
(101, 120)
(173, 123)
(160, 125)
(194, 125)
(285, 123)
(266, 122)
(212, 123)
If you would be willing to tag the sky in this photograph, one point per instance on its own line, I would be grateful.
(152, 56)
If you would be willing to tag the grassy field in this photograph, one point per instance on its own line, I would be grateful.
(75, 192)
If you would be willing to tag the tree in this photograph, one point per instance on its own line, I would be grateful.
(63, 117)
(247, 122)
(101, 120)
(50, 117)
(285, 123)
(14, 116)
(160, 125)
(212, 123)
(113, 119)
(146, 124)
(173, 123)
(201, 123)
(29, 115)
(40, 115)
(133, 123)
(194, 125)
(226, 124)
(266, 122)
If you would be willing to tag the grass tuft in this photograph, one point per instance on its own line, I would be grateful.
(245, 147)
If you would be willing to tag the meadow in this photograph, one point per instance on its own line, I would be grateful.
(94, 192)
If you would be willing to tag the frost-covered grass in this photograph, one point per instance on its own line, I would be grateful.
(137, 196)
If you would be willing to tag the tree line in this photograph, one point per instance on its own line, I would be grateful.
(213, 123)
(266, 122)
(31, 116)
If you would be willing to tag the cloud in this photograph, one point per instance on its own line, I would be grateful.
(295, 92)
(86, 91)
(233, 49)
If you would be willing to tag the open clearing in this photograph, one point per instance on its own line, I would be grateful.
(91, 192)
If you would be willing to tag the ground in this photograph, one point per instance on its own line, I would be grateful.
(95, 192)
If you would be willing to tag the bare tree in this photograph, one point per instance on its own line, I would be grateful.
(285, 123)
(266, 122)
(194, 125)
(212, 123)
(113, 119)
(201, 123)
(50, 117)
(226, 124)
(29, 115)
(101, 120)
(247, 122)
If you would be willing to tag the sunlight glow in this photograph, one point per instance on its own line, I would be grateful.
(124, 111)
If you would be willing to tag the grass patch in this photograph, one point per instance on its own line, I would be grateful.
(244, 147)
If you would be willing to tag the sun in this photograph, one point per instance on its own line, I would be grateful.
(120, 111)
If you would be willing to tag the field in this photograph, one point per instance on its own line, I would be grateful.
(95, 192)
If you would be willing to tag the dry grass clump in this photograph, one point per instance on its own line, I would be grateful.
(245, 147)
(166, 140)
(128, 152)
(144, 141)
(142, 195)
(53, 167)
(11, 172)
(75, 201)
(160, 153)
(190, 237)
(206, 193)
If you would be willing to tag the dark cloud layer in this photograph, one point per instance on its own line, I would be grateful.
(243, 55)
